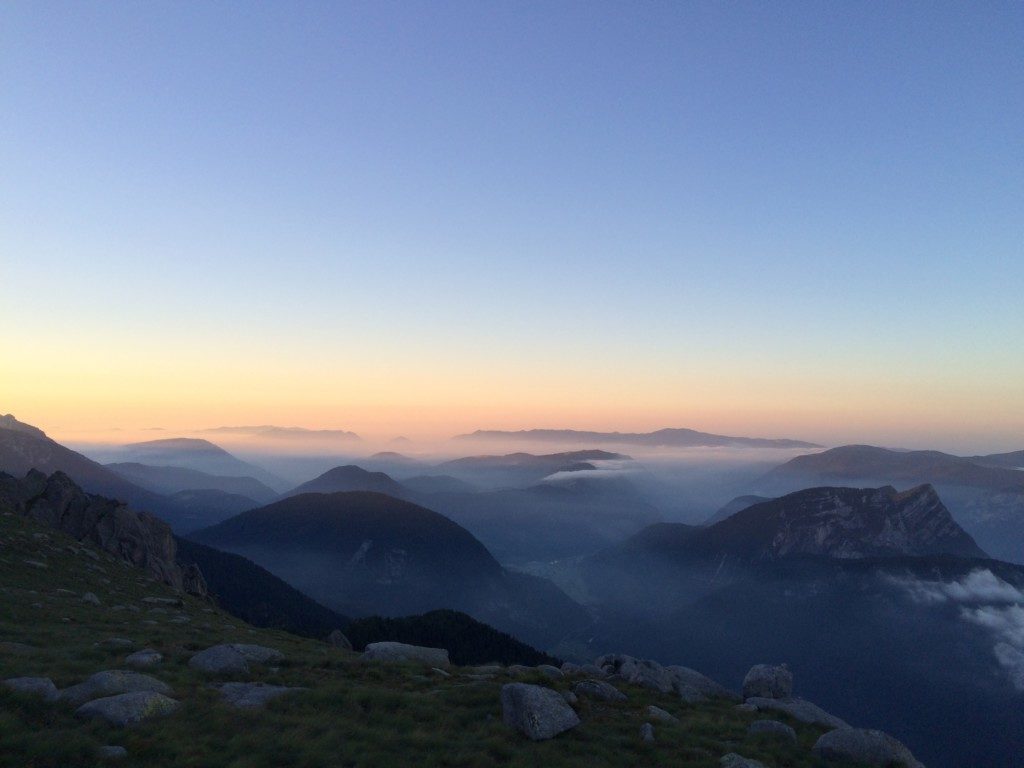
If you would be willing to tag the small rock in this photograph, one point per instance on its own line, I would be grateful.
(251, 695)
(36, 564)
(113, 753)
(389, 651)
(90, 597)
(732, 760)
(538, 712)
(441, 672)
(598, 689)
(647, 733)
(37, 686)
(162, 600)
(772, 728)
(111, 682)
(144, 658)
(571, 699)
(860, 745)
(768, 682)
(127, 708)
(657, 713)
(337, 639)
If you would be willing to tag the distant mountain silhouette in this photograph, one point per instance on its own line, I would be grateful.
(368, 553)
(351, 478)
(1012, 460)
(868, 462)
(201, 455)
(272, 431)
(169, 480)
(662, 438)
(984, 493)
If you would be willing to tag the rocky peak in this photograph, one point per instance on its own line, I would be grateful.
(7, 421)
(846, 523)
(136, 537)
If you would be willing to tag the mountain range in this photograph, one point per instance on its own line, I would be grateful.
(662, 438)
(984, 493)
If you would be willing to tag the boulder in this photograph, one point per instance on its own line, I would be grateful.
(804, 711)
(36, 686)
(772, 728)
(647, 733)
(643, 672)
(692, 686)
(389, 651)
(549, 671)
(258, 654)
(867, 747)
(251, 695)
(766, 681)
(536, 711)
(598, 689)
(568, 668)
(571, 699)
(90, 597)
(113, 753)
(111, 682)
(338, 639)
(127, 708)
(144, 658)
(220, 660)
(657, 713)
(732, 760)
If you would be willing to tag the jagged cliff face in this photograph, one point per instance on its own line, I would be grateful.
(136, 537)
(845, 523)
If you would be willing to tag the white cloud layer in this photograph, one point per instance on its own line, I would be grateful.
(987, 601)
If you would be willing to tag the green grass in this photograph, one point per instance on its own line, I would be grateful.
(354, 714)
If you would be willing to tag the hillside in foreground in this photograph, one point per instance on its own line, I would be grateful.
(351, 713)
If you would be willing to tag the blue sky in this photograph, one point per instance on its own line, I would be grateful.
(636, 198)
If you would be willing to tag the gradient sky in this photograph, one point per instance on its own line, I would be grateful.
(777, 219)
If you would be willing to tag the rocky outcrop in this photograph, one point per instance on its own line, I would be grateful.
(768, 682)
(537, 712)
(337, 639)
(800, 709)
(135, 537)
(863, 746)
(390, 651)
(128, 708)
(691, 685)
(111, 682)
(233, 658)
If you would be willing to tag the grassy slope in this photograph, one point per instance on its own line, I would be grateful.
(354, 714)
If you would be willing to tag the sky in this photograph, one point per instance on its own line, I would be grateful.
(772, 219)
